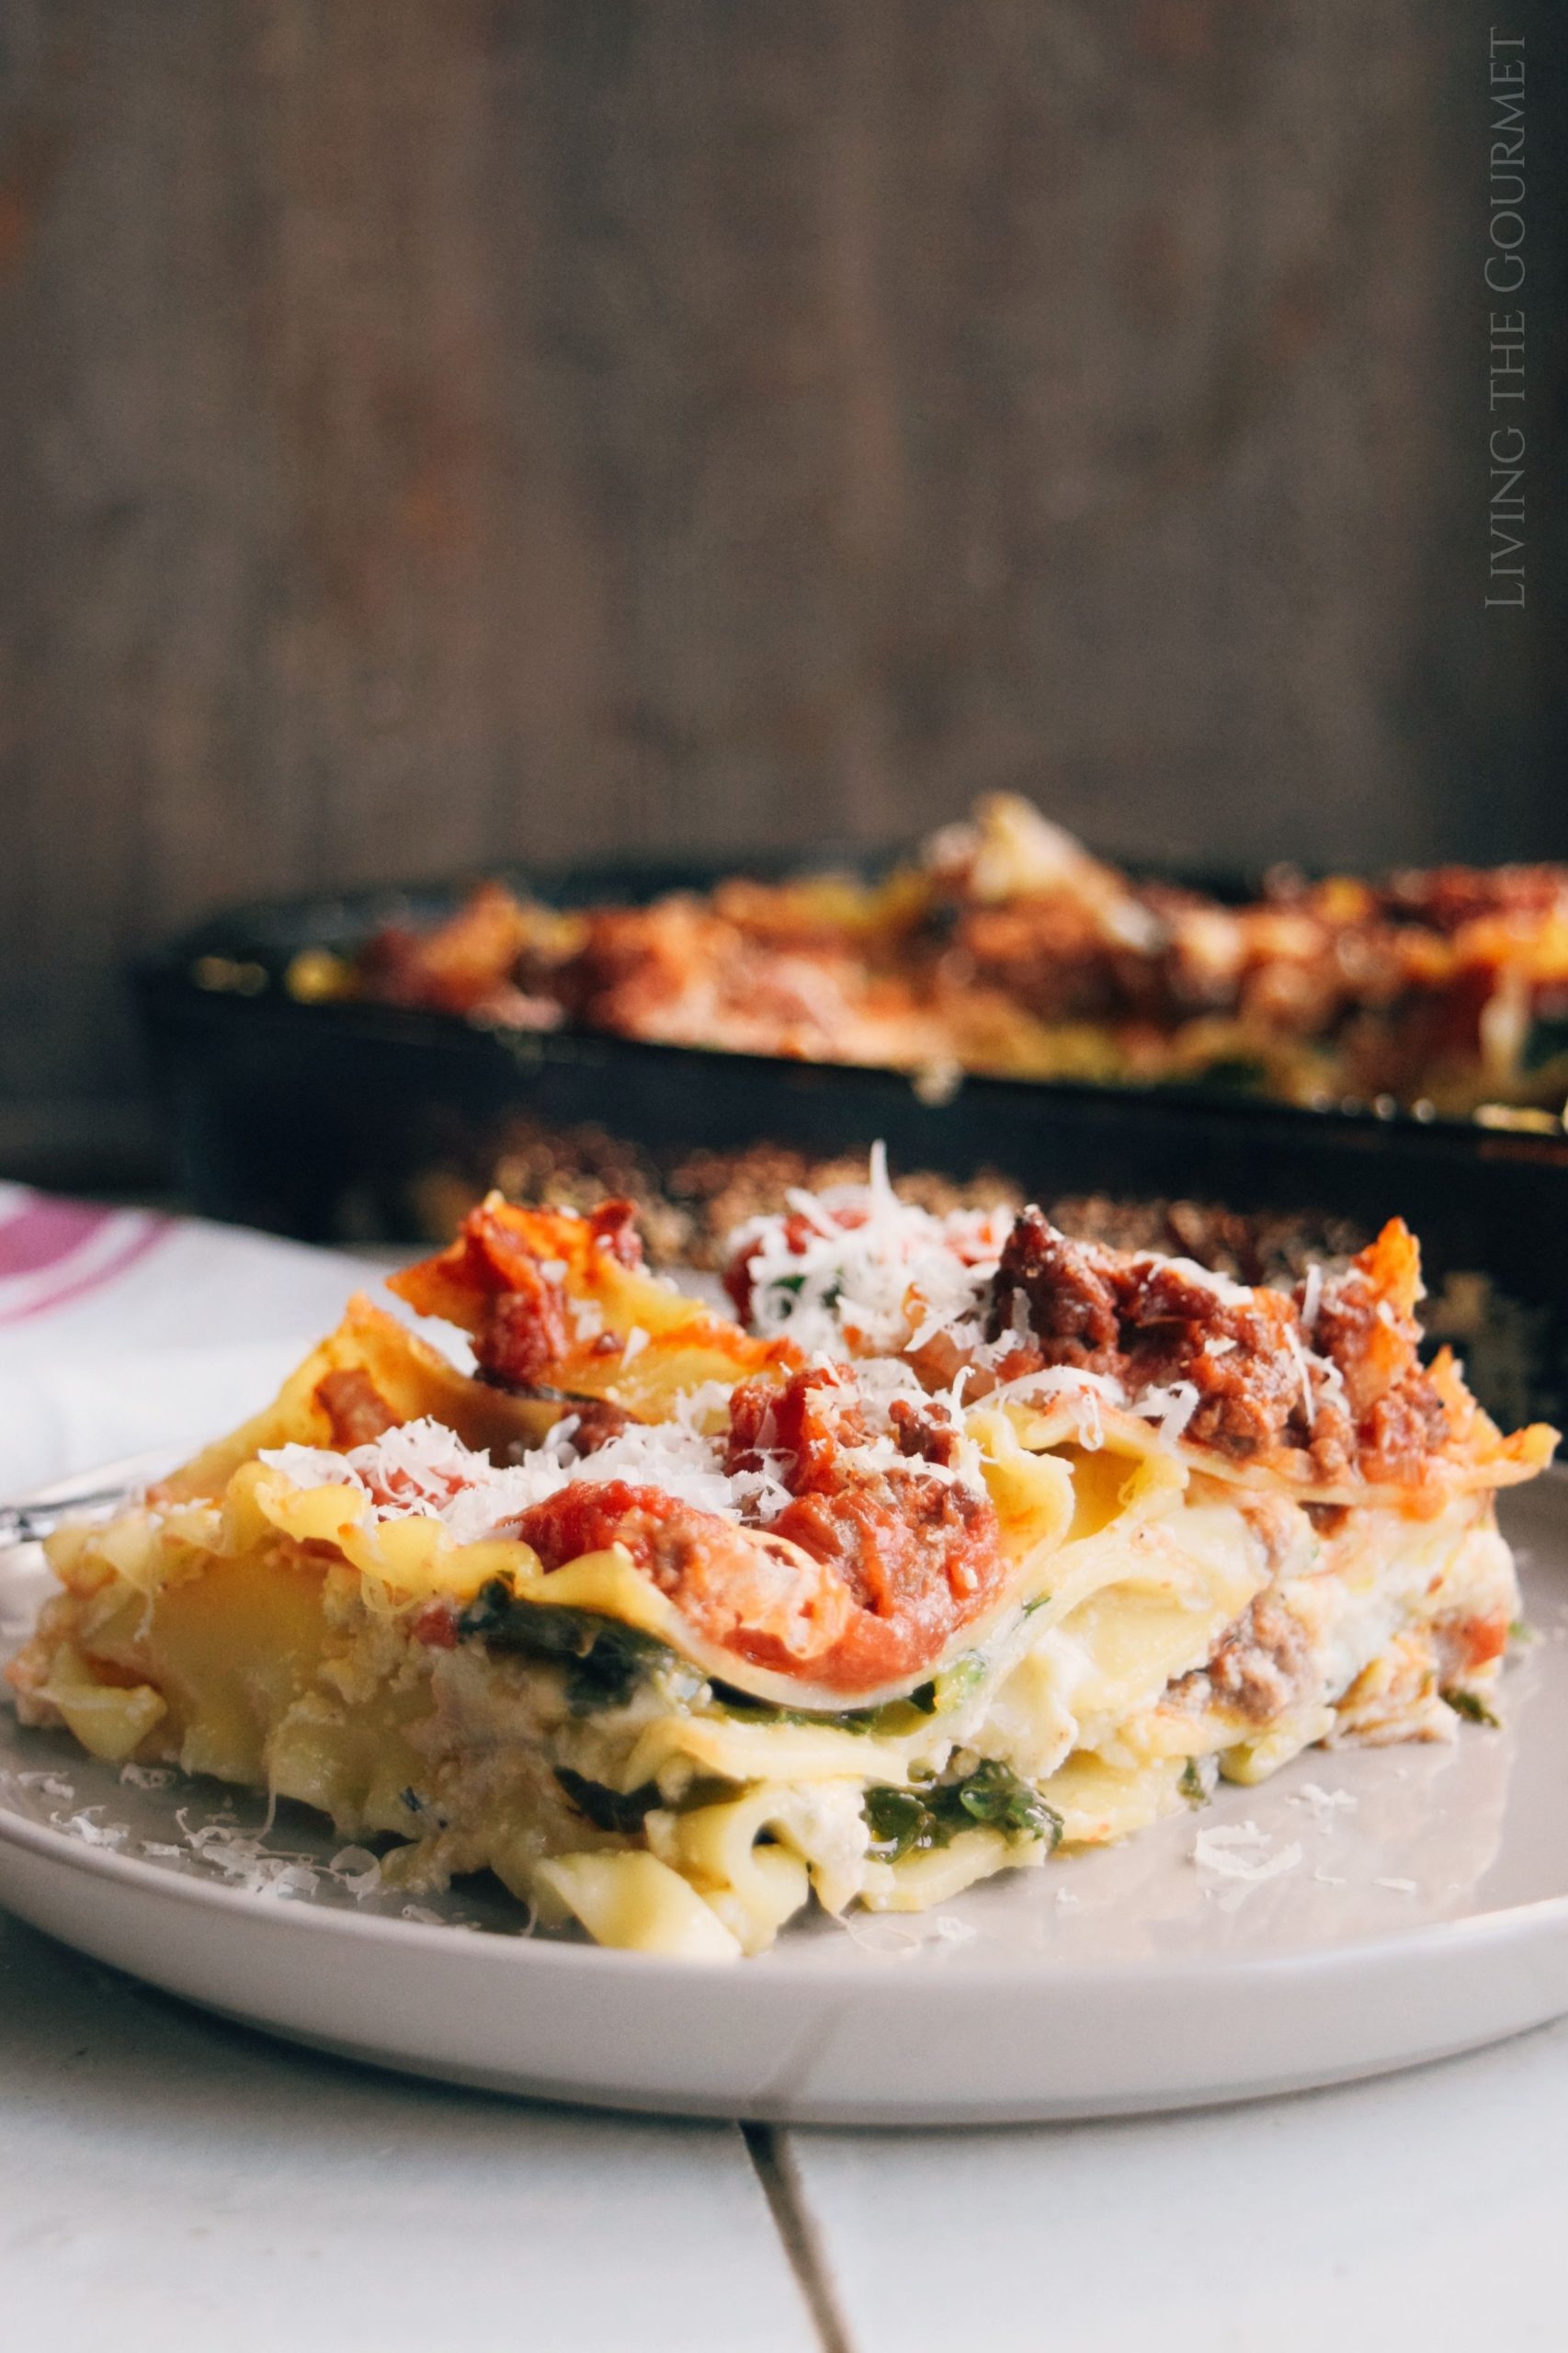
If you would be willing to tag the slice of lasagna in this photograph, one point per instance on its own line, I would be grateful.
(964, 1542)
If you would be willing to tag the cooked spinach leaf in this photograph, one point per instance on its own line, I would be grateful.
(795, 1284)
(994, 1793)
(956, 1683)
(901, 1823)
(894, 1716)
(888, 1721)
(604, 1660)
(747, 1711)
(1472, 1705)
(907, 1821)
(607, 1809)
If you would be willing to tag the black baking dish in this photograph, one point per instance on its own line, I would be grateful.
(318, 1119)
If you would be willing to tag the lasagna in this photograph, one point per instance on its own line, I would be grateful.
(959, 1544)
(1006, 949)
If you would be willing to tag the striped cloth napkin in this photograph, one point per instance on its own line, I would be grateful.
(121, 1330)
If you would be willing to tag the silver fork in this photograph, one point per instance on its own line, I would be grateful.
(30, 1518)
(28, 1522)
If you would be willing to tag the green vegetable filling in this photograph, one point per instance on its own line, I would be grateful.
(1471, 1705)
(894, 1716)
(888, 1721)
(795, 1284)
(606, 1808)
(604, 1660)
(912, 1822)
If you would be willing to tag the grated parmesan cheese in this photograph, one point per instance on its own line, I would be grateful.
(356, 1869)
(423, 1469)
(93, 1832)
(1322, 1804)
(1182, 1406)
(1204, 1277)
(1239, 1850)
(1311, 1297)
(877, 1275)
(1303, 1373)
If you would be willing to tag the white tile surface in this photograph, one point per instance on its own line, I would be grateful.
(1423, 2210)
(168, 2182)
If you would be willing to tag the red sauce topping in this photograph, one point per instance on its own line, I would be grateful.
(895, 1560)
(920, 1558)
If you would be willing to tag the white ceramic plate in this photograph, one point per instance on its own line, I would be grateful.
(1427, 1912)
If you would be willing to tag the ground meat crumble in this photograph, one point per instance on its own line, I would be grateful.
(1351, 1393)
(1262, 1667)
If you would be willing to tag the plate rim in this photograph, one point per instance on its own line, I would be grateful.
(1005, 1973)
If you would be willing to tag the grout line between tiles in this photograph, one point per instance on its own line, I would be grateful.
(780, 2187)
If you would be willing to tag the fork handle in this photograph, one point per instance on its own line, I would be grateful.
(27, 1523)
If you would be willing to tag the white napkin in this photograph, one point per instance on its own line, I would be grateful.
(120, 1330)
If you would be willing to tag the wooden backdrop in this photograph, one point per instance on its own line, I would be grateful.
(438, 430)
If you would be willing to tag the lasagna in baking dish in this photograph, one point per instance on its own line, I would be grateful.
(959, 1544)
(1006, 949)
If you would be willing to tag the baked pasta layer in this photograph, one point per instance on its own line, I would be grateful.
(1006, 949)
(967, 1544)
